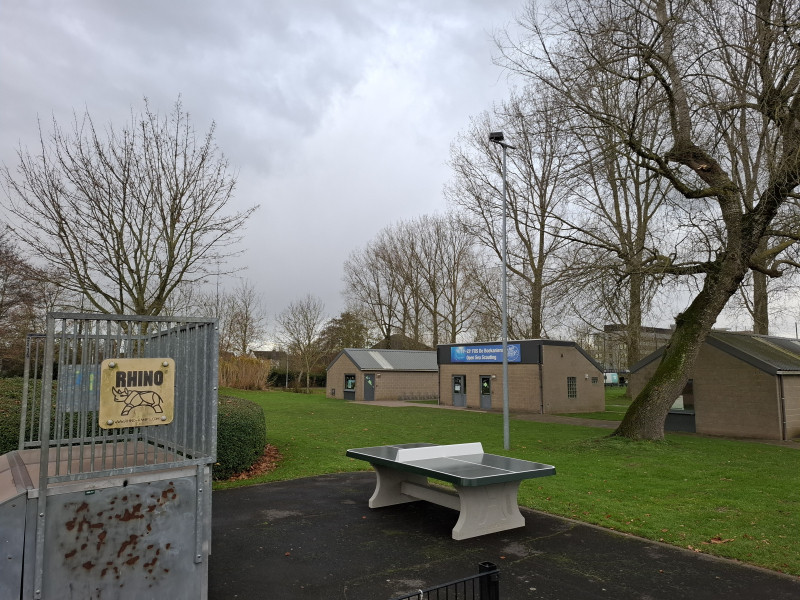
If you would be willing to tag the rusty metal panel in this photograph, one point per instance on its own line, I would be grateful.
(128, 541)
(12, 545)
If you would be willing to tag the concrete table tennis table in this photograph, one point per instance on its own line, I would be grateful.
(487, 484)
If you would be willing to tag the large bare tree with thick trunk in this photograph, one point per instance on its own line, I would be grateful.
(125, 215)
(693, 61)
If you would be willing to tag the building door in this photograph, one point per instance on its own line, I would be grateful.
(486, 392)
(369, 387)
(459, 390)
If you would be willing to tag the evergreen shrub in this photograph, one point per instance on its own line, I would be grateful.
(10, 406)
(241, 436)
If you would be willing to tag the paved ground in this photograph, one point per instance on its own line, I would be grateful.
(316, 538)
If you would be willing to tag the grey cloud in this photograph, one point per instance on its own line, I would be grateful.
(337, 113)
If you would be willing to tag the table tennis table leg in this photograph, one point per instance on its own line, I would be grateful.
(387, 487)
(487, 509)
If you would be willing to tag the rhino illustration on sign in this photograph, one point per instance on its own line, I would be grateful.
(135, 399)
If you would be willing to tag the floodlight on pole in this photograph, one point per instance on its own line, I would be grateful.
(497, 137)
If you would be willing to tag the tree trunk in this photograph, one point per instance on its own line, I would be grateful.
(635, 319)
(645, 418)
(760, 304)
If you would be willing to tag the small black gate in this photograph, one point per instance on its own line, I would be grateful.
(483, 586)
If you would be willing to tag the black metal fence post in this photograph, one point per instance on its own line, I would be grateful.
(489, 585)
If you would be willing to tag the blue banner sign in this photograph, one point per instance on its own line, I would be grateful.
(493, 353)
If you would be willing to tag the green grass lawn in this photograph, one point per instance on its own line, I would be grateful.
(616, 404)
(734, 499)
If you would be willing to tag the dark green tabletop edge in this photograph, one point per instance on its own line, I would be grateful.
(489, 480)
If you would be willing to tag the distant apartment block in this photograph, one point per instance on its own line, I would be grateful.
(611, 345)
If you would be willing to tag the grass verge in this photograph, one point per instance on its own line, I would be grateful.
(733, 499)
(617, 404)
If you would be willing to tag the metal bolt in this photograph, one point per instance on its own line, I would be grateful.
(112, 365)
(165, 364)
(163, 418)
(110, 422)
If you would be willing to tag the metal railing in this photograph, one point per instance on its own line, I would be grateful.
(484, 586)
(61, 394)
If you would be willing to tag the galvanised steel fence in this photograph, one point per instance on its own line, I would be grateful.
(61, 392)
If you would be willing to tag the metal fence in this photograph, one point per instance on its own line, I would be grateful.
(61, 393)
(484, 586)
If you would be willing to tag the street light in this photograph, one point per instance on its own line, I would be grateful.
(497, 137)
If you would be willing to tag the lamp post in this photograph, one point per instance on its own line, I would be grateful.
(496, 137)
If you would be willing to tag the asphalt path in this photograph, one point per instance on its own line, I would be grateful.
(316, 538)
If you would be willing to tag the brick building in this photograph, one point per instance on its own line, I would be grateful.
(742, 385)
(375, 374)
(544, 376)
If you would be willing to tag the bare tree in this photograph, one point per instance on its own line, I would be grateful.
(456, 270)
(401, 246)
(438, 267)
(240, 314)
(373, 285)
(300, 328)
(535, 194)
(218, 304)
(416, 278)
(128, 214)
(691, 61)
(248, 318)
(615, 221)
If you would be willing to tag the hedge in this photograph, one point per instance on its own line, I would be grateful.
(241, 436)
(241, 429)
(10, 396)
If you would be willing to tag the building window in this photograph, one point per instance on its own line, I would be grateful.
(349, 382)
(572, 387)
(594, 379)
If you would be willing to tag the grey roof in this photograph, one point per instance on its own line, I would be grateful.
(391, 360)
(770, 354)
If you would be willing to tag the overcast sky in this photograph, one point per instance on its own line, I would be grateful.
(337, 114)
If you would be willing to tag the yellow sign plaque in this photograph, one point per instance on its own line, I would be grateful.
(136, 392)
